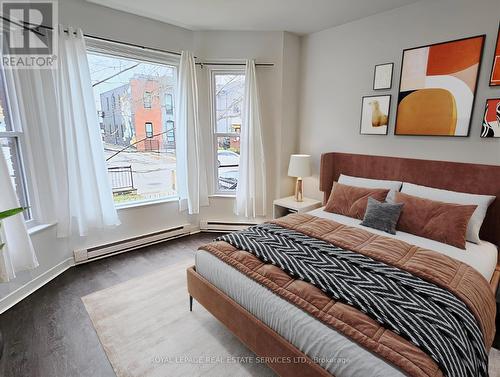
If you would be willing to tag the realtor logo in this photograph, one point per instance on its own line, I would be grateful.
(29, 34)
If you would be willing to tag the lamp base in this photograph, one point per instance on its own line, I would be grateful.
(299, 190)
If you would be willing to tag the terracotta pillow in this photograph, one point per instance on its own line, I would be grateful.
(439, 221)
(351, 201)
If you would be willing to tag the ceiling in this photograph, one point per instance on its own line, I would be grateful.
(297, 16)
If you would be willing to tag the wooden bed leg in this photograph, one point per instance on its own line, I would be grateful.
(190, 303)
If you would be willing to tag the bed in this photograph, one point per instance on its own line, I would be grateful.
(294, 342)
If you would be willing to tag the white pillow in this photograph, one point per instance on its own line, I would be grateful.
(477, 218)
(372, 183)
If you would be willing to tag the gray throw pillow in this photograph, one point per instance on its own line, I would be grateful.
(382, 216)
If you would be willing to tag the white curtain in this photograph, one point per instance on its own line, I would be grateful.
(57, 112)
(33, 107)
(251, 189)
(192, 186)
(17, 253)
(89, 194)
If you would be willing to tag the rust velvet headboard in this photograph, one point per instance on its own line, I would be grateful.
(471, 178)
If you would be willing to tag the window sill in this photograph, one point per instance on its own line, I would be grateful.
(224, 196)
(120, 207)
(38, 228)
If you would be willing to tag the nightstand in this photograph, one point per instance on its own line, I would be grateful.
(284, 206)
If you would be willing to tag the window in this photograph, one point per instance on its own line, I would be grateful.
(227, 99)
(11, 144)
(140, 158)
(148, 98)
(149, 129)
(170, 131)
(169, 103)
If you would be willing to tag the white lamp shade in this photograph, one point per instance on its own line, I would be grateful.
(300, 165)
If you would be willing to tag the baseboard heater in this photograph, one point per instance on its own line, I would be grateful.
(113, 248)
(225, 226)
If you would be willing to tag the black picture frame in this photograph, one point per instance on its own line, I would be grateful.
(375, 75)
(484, 118)
(483, 36)
(497, 41)
(388, 114)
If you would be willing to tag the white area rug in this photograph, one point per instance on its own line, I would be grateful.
(147, 330)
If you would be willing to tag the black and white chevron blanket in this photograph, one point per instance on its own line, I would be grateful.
(429, 316)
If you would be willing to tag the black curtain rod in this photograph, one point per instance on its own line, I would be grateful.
(236, 64)
(34, 29)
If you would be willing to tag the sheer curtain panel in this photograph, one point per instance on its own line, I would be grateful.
(192, 184)
(251, 189)
(17, 253)
(89, 194)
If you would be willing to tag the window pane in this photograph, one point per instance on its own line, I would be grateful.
(169, 104)
(149, 130)
(135, 115)
(4, 118)
(148, 99)
(10, 150)
(228, 161)
(229, 90)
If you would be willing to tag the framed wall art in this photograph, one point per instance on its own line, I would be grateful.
(382, 76)
(495, 68)
(437, 88)
(375, 115)
(491, 118)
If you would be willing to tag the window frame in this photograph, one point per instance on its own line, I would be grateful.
(26, 184)
(122, 51)
(17, 134)
(147, 99)
(169, 106)
(213, 72)
(149, 134)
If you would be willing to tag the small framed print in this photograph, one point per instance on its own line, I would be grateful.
(491, 118)
(375, 115)
(382, 76)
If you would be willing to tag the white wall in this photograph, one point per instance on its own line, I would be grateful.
(290, 87)
(270, 47)
(279, 135)
(109, 23)
(337, 70)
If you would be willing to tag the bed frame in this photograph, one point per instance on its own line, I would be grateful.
(265, 342)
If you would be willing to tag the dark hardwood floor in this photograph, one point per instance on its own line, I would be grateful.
(49, 334)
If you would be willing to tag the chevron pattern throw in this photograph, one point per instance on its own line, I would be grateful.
(425, 314)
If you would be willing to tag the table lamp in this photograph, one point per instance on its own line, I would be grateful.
(300, 167)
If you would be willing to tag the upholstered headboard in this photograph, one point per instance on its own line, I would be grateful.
(471, 178)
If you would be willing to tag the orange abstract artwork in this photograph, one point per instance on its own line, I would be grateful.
(437, 88)
(495, 70)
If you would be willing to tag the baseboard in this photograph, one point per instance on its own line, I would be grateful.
(22, 292)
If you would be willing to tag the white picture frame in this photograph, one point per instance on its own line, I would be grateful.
(375, 114)
(382, 76)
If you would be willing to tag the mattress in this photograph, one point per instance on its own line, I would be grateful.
(482, 257)
(327, 347)
(333, 351)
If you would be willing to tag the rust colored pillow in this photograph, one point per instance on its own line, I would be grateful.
(439, 221)
(351, 201)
